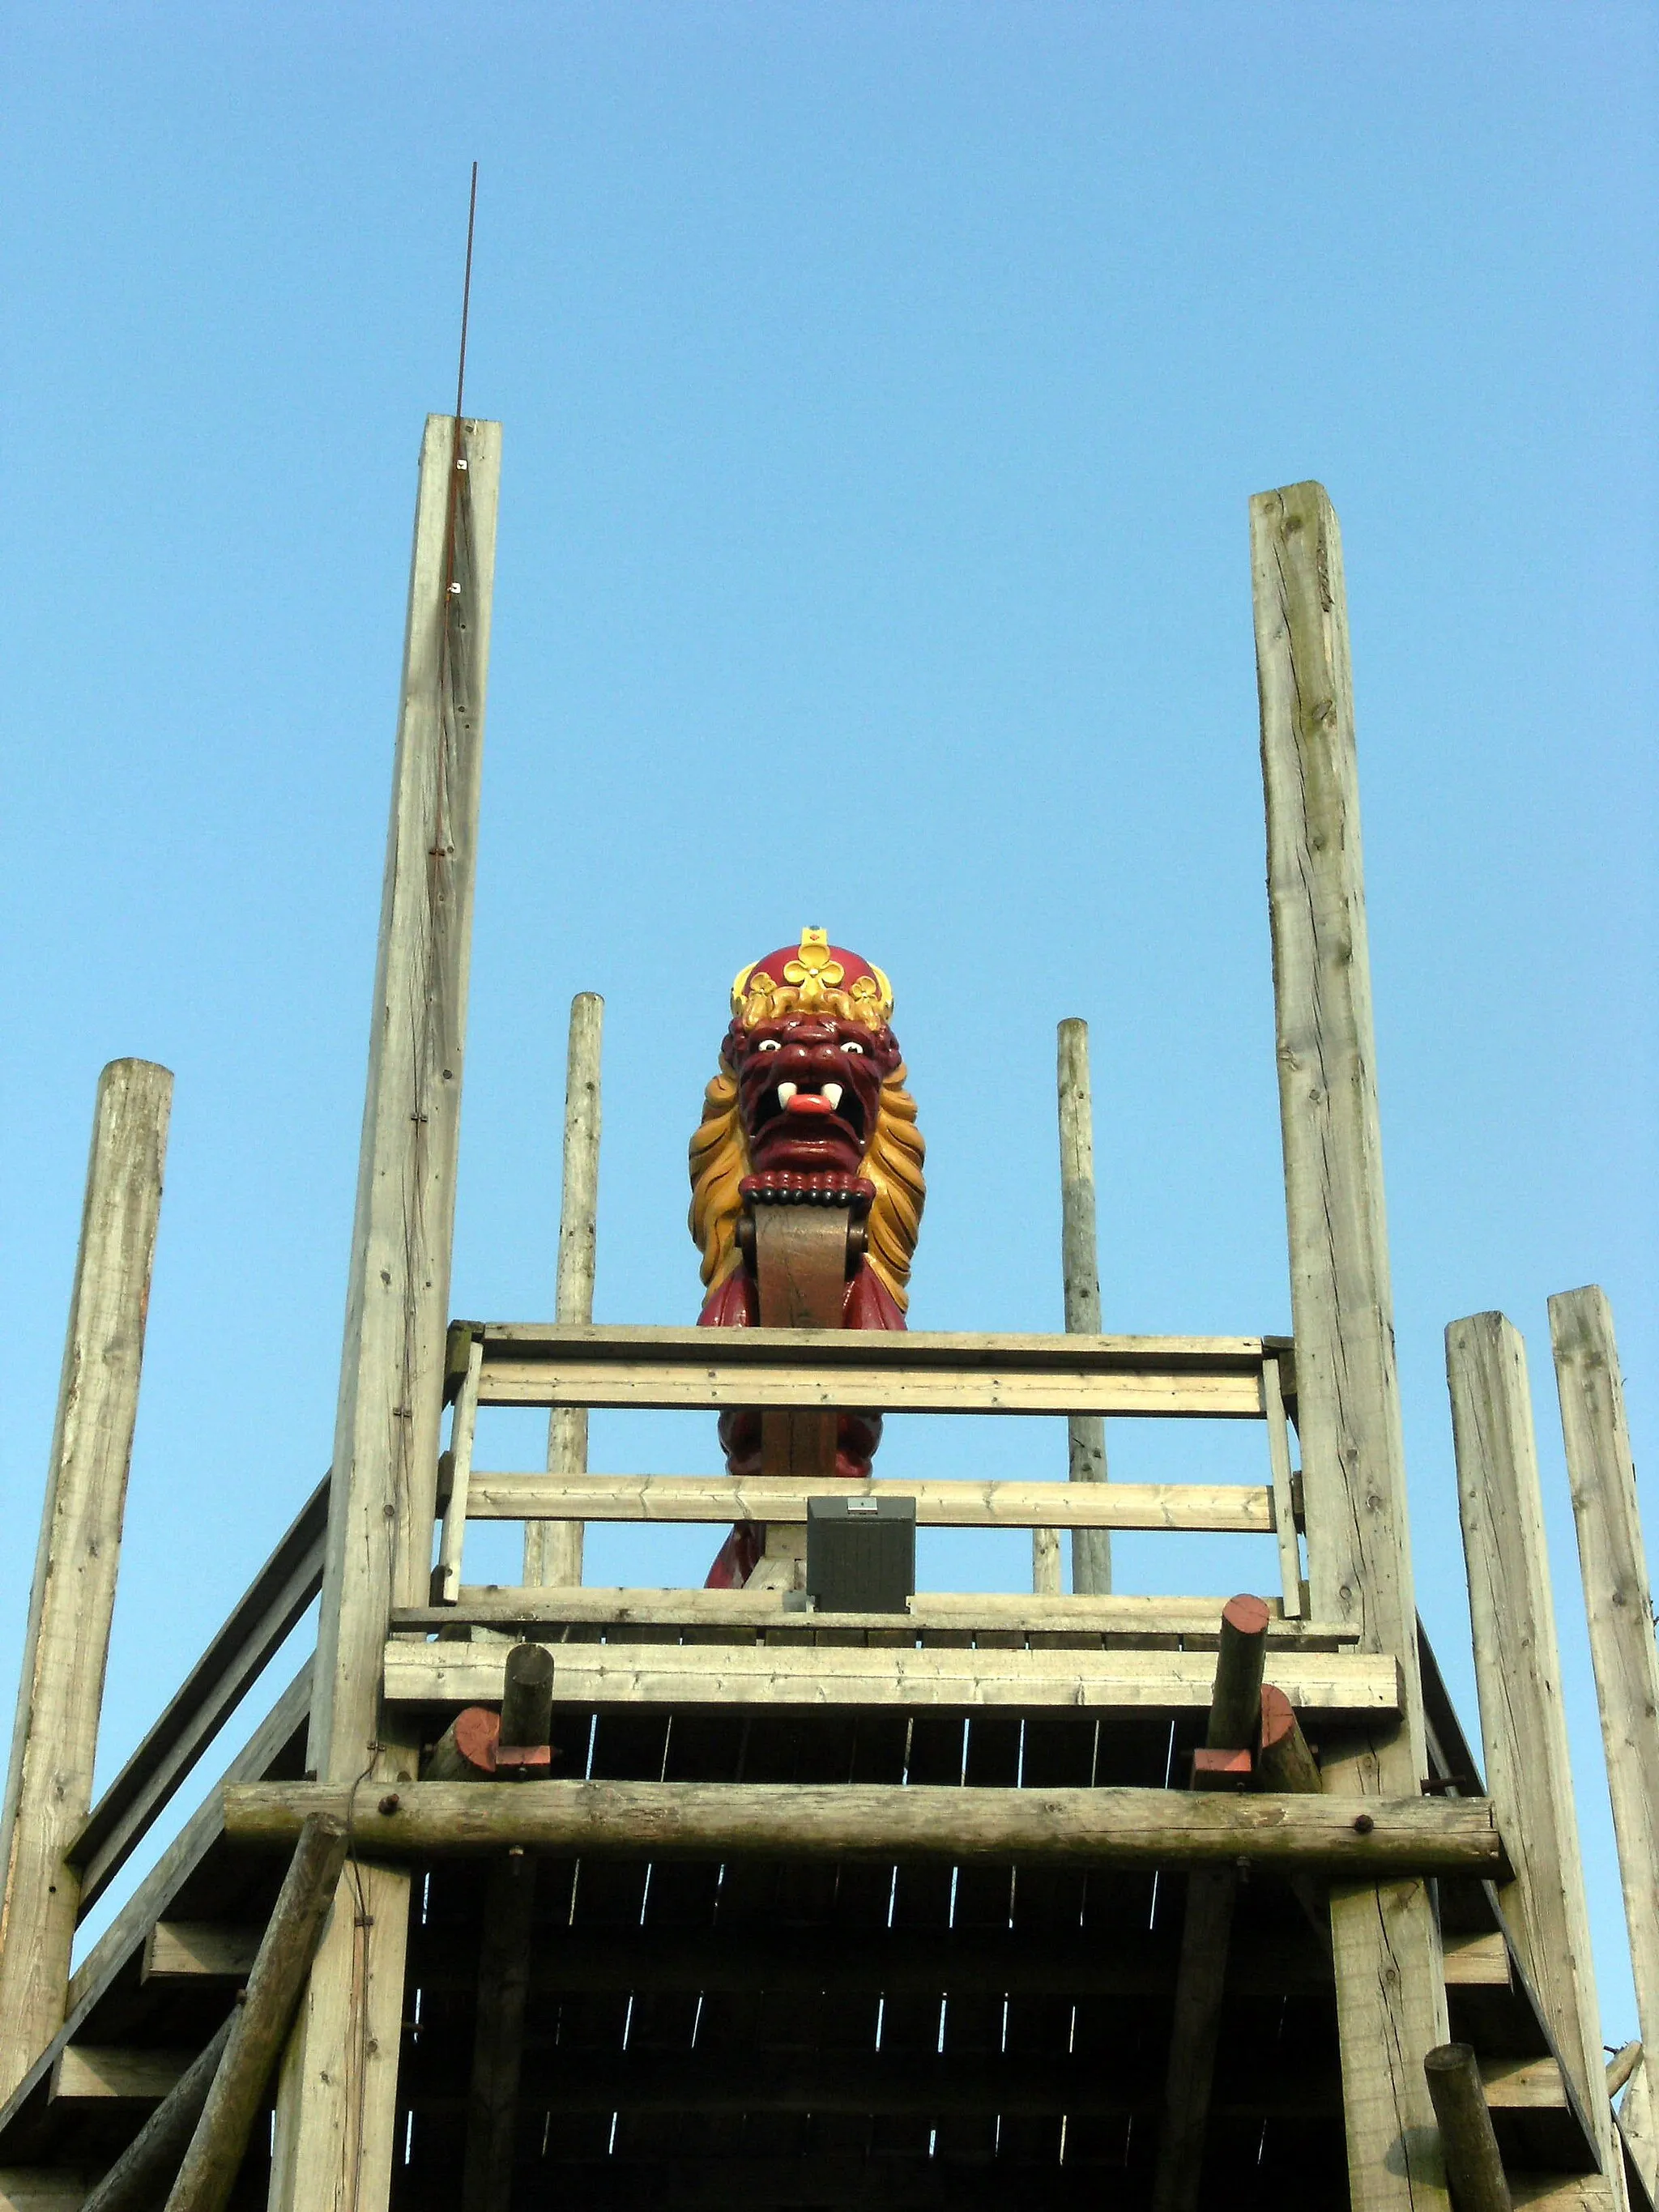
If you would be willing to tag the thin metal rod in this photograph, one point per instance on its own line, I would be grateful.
(466, 292)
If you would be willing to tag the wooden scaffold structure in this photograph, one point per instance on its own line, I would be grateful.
(622, 1897)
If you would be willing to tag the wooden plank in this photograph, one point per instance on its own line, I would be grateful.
(548, 1364)
(1279, 1463)
(66, 1644)
(200, 1950)
(1079, 1260)
(331, 2108)
(1524, 2085)
(93, 2073)
(1476, 1960)
(1391, 2004)
(553, 1550)
(44, 2188)
(446, 1575)
(258, 1625)
(1518, 1668)
(1336, 1686)
(119, 1947)
(1132, 1827)
(1619, 1602)
(940, 1503)
(1194, 1620)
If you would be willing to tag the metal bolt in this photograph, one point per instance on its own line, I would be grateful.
(1362, 1824)
(391, 1801)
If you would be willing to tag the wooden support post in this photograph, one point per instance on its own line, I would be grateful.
(1206, 1929)
(336, 2106)
(49, 1784)
(1391, 2002)
(1079, 1255)
(552, 1550)
(259, 2026)
(1473, 2165)
(504, 1965)
(1619, 1601)
(1517, 1670)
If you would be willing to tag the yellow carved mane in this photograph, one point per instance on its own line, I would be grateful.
(892, 1160)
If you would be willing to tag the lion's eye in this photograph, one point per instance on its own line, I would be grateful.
(768, 1044)
(847, 1045)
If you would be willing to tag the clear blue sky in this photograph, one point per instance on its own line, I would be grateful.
(883, 391)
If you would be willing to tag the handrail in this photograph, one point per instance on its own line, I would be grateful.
(551, 1365)
(256, 1626)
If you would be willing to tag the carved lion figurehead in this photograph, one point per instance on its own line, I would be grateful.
(810, 1082)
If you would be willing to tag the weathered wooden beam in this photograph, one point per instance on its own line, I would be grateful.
(200, 1950)
(1104, 1826)
(918, 1372)
(1517, 1668)
(258, 1627)
(1336, 1685)
(455, 1476)
(1391, 2006)
(1192, 1623)
(553, 1550)
(1474, 2166)
(1206, 1925)
(140, 2178)
(504, 1972)
(391, 1371)
(1618, 1601)
(259, 2026)
(941, 1502)
(1079, 1260)
(117, 2073)
(66, 1646)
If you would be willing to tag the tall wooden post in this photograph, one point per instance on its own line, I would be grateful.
(1079, 1252)
(1619, 1601)
(553, 1549)
(336, 2107)
(1517, 1669)
(49, 1785)
(1391, 2002)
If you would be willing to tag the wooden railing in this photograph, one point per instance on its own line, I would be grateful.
(1141, 1377)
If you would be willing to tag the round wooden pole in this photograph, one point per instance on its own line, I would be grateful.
(1474, 2165)
(553, 1550)
(1091, 1548)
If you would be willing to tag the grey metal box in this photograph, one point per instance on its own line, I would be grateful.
(861, 1553)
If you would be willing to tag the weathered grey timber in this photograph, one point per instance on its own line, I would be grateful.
(1079, 1255)
(1107, 1827)
(1391, 2004)
(140, 2178)
(1618, 1601)
(55, 1741)
(1338, 1685)
(260, 2024)
(940, 1502)
(918, 1371)
(553, 1550)
(1517, 1670)
(1473, 2165)
(255, 1631)
(335, 2122)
